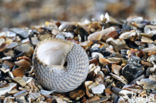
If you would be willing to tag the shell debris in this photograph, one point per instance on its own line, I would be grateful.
(106, 60)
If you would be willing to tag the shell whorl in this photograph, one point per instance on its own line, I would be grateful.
(61, 78)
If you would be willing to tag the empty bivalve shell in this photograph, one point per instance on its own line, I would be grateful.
(60, 65)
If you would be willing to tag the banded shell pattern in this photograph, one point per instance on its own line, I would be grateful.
(60, 65)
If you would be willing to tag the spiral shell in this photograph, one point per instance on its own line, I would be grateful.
(60, 65)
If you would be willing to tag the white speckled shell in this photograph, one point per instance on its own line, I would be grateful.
(68, 78)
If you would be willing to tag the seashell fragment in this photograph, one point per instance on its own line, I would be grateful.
(149, 29)
(101, 34)
(78, 94)
(133, 69)
(98, 89)
(7, 88)
(23, 32)
(147, 83)
(127, 35)
(60, 65)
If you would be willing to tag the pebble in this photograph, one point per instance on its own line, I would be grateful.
(105, 52)
(77, 94)
(25, 48)
(101, 34)
(21, 99)
(34, 40)
(21, 93)
(68, 35)
(46, 92)
(116, 69)
(150, 48)
(2, 41)
(20, 81)
(127, 35)
(147, 83)
(24, 33)
(12, 45)
(149, 29)
(2, 83)
(34, 96)
(95, 49)
(133, 69)
(119, 78)
(8, 34)
(60, 36)
(97, 55)
(7, 89)
(146, 40)
(99, 89)
(135, 19)
(118, 44)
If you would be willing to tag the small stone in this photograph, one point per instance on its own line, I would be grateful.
(152, 77)
(97, 55)
(27, 79)
(95, 49)
(119, 78)
(99, 77)
(8, 64)
(93, 99)
(34, 96)
(114, 59)
(2, 41)
(24, 33)
(87, 84)
(133, 69)
(78, 94)
(21, 93)
(135, 19)
(6, 58)
(68, 35)
(99, 89)
(104, 61)
(55, 31)
(9, 53)
(18, 72)
(86, 44)
(118, 44)
(147, 83)
(60, 100)
(150, 29)
(146, 63)
(105, 52)
(146, 40)
(23, 63)
(21, 99)
(46, 93)
(7, 89)
(116, 69)
(127, 35)
(5, 67)
(44, 36)
(34, 40)
(108, 92)
(60, 36)
(101, 34)
(25, 48)
(63, 26)
(20, 81)
(8, 34)
(2, 44)
(152, 59)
